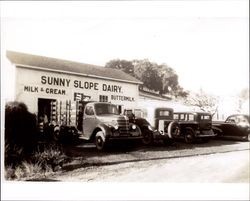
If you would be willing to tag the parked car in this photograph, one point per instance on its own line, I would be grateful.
(194, 125)
(146, 129)
(159, 125)
(236, 126)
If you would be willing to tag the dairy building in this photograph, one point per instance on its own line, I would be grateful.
(42, 82)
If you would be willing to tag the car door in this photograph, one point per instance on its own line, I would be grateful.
(89, 121)
(230, 127)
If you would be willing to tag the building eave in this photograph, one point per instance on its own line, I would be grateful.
(73, 73)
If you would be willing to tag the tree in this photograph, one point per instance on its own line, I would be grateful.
(243, 99)
(160, 78)
(151, 79)
(204, 101)
(125, 66)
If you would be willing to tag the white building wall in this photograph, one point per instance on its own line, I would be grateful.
(8, 72)
(32, 84)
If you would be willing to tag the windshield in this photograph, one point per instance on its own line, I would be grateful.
(106, 109)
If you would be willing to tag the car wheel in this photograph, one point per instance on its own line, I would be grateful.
(99, 142)
(174, 129)
(147, 137)
(189, 136)
(248, 137)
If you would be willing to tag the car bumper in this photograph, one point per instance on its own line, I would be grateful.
(158, 135)
(202, 134)
(111, 138)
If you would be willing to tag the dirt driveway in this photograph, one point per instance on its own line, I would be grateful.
(215, 161)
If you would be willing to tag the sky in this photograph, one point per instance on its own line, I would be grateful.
(205, 42)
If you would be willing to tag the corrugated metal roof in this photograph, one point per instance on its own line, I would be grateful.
(41, 62)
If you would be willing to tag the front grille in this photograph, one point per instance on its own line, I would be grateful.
(123, 124)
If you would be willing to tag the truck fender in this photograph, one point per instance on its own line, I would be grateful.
(170, 128)
(101, 134)
(105, 131)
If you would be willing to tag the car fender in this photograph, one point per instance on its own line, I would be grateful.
(217, 130)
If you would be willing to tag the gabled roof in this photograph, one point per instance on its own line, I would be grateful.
(65, 66)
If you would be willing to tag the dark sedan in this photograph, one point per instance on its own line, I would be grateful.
(236, 126)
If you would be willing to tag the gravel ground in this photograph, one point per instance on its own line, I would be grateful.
(215, 161)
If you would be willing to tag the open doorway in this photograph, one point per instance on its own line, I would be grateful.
(45, 108)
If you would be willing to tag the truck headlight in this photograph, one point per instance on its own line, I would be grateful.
(133, 127)
(116, 127)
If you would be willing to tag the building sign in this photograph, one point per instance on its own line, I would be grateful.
(77, 88)
(63, 82)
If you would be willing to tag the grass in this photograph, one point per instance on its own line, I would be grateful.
(41, 164)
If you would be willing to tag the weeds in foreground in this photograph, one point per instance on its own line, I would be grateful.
(40, 164)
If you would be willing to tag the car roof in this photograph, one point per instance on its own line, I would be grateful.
(234, 115)
(194, 113)
(164, 108)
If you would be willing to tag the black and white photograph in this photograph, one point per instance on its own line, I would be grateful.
(125, 100)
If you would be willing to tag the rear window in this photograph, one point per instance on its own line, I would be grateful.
(205, 117)
(164, 113)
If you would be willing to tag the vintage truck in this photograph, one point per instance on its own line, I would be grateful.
(194, 125)
(97, 122)
(156, 123)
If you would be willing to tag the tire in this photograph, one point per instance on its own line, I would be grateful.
(189, 136)
(248, 137)
(99, 143)
(147, 137)
(56, 135)
(174, 129)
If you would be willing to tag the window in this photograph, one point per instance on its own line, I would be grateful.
(205, 117)
(89, 110)
(176, 116)
(190, 117)
(103, 108)
(182, 116)
(103, 98)
(164, 113)
(138, 113)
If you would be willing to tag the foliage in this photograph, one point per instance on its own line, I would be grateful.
(51, 157)
(125, 66)
(40, 164)
(203, 101)
(161, 78)
(20, 132)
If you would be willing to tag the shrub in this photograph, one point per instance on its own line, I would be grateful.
(20, 132)
(40, 165)
(52, 157)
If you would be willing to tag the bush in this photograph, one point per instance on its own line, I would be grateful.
(52, 157)
(39, 165)
(20, 133)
